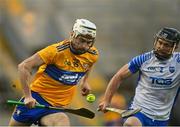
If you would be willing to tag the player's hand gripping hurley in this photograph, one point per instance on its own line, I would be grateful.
(123, 113)
(81, 112)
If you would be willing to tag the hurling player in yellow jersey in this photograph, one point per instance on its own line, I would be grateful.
(61, 67)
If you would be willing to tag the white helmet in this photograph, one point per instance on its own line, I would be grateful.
(84, 27)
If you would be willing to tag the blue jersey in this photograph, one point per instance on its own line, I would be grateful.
(158, 84)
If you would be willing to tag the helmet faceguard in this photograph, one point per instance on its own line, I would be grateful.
(171, 36)
(84, 27)
(85, 32)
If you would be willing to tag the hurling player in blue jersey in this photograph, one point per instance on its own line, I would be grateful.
(158, 82)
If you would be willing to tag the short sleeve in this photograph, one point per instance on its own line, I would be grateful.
(136, 63)
(47, 54)
(96, 57)
(93, 56)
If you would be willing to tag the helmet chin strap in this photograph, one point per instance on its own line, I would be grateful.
(160, 57)
(77, 52)
(72, 49)
(174, 47)
(163, 58)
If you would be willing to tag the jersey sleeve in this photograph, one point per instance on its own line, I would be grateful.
(94, 56)
(47, 54)
(136, 63)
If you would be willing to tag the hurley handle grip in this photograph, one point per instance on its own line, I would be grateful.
(22, 103)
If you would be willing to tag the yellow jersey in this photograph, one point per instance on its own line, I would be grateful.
(57, 78)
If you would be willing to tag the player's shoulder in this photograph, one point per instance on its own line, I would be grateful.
(176, 56)
(148, 54)
(145, 56)
(93, 51)
(59, 46)
(62, 45)
(141, 59)
(92, 54)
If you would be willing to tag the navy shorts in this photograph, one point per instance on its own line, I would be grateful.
(146, 121)
(32, 116)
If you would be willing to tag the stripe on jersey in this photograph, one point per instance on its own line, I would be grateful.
(137, 61)
(63, 76)
(63, 47)
(94, 52)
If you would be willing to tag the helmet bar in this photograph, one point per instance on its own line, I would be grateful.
(88, 27)
(169, 34)
(84, 27)
(174, 47)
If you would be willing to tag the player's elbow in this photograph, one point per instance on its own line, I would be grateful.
(22, 66)
(118, 78)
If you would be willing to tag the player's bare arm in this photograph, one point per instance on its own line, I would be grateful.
(25, 72)
(113, 86)
(55, 81)
(85, 87)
